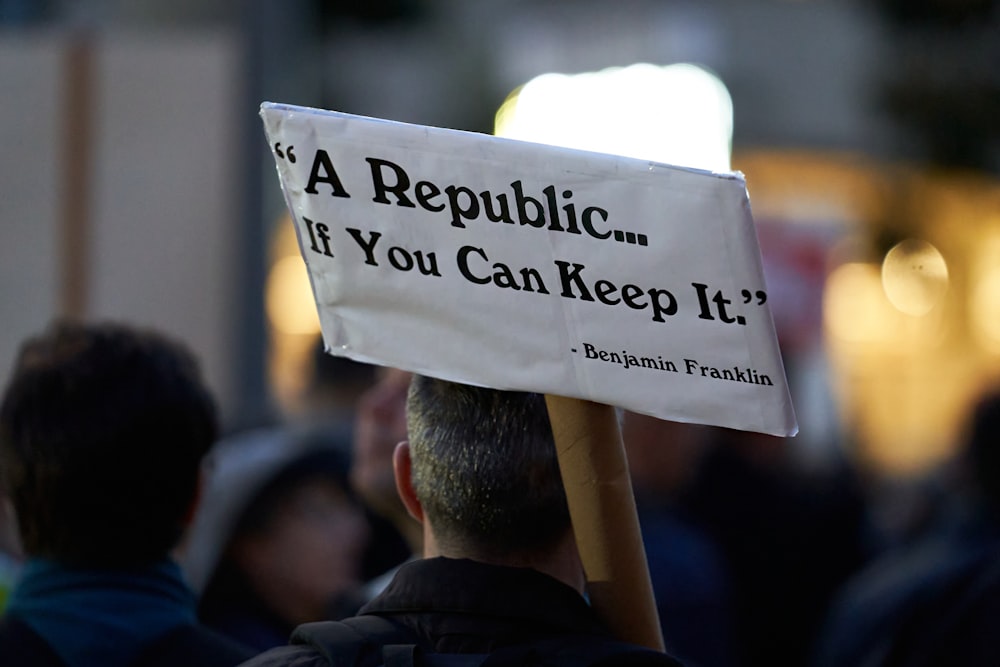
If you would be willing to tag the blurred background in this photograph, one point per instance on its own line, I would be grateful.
(136, 184)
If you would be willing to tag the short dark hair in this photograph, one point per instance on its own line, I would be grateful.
(102, 431)
(485, 468)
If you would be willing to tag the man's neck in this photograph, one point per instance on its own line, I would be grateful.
(561, 562)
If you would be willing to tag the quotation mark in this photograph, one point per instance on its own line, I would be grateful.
(748, 296)
(285, 153)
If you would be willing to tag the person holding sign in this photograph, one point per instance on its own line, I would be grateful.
(501, 576)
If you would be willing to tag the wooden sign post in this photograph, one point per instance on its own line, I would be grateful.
(602, 507)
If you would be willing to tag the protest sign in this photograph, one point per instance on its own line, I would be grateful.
(523, 266)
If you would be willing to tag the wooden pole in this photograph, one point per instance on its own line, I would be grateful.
(77, 127)
(602, 507)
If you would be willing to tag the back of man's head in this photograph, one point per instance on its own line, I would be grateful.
(484, 468)
(102, 430)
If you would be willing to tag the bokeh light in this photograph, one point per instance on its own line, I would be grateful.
(678, 114)
(914, 276)
(290, 305)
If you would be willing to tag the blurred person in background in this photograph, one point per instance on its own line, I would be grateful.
(10, 547)
(349, 405)
(687, 571)
(328, 403)
(380, 426)
(789, 538)
(102, 431)
(279, 537)
(934, 600)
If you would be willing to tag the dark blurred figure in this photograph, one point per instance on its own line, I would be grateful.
(688, 574)
(789, 539)
(10, 547)
(328, 403)
(102, 432)
(351, 405)
(380, 426)
(935, 601)
(278, 538)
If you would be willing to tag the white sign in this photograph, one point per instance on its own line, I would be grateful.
(523, 266)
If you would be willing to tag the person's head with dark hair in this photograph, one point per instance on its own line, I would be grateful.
(329, 396)
(102, 430)
(341, 377)
(278, 538)
(480, 470)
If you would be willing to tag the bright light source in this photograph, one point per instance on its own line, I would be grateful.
(678, 114)
(290, 305)
(914, 276)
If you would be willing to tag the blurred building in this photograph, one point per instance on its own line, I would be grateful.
(136, 182)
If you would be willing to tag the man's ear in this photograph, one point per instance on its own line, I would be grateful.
(402, 468)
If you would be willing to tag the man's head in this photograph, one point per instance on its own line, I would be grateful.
(102, 430)
(483, 466)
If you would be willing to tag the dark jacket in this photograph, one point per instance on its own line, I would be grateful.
(464, 606)
(108, 617)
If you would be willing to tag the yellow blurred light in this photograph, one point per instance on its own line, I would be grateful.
(914, 276)
(854, 307)
(985, 308)
(984, 288)
(290, 305)
(677, 114)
